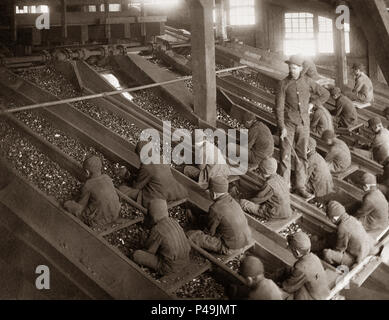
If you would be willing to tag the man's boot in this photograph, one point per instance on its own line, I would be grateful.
(305, 194)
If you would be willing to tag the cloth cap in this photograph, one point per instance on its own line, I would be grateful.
(299, 241)
(335, 209)
(248, 116)
(328, 134)
(269, 166)
(158, 209)
(251, 267)
(368, 178)
(335, 91)
(295, 59)
(374, 121)
(92, 164)
(357, 66)
(218, 184)
(312, 144)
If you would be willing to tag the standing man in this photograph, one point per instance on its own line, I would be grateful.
(292, 114)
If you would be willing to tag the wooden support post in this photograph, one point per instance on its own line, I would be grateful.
(143, 13)
(260, 17)
(203, 60)
(14, 28)
(36, 36)
(64, 20)
(84, 34)
(316, 31)
(341, 57)
(107, 25)
(373, 66)
(221, 25)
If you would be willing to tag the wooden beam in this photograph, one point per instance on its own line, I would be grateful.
(373, 66)
(341, 79)
(203, 60)
(64, 19)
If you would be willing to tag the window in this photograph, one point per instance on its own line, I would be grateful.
(115, 7)
(92, 8)
(325, 36)
(242, 12)
(42, 9)
(21, 9)
(137, 3)
(32, 9)
(299, 34)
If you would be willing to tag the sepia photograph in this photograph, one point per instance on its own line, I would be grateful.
(194, 154)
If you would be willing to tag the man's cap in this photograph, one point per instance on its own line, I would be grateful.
(295, 59)
(218, 184)
(369, 178)
(269, 166)
(299, 241)
(251, 267)
(328, 134)
(248, 116)
(335, 209)
(312, 144)
(357, 66)
(336, 91)
(158, 209)
(374, 121)
(93, 164)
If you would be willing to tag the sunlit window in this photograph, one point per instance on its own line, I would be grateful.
(42, 9)
(32, 9)
(325, 36)
(21, 9)
(299, 34)
(115, 7)
(242, 12)
(92, 8)
(137, 3)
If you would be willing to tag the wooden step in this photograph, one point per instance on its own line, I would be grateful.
(365, 273)
(195, 268)
(234, 253)
(349, 171)
(361, 105)
(378, 234)
(281, 224)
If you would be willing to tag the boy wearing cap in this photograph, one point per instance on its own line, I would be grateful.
(380, 144)
(99, 203)
(319, 180)
(353, 243)
(153, 181)
(363, 90)
(339, 155)
(346, 114)
(321, 120)
(227, 227)
(273, 200)
(260, 139)
(167, 248)
(295, 95)
(308, 279)
(209, 162)
(258, 287)
(373, 212)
